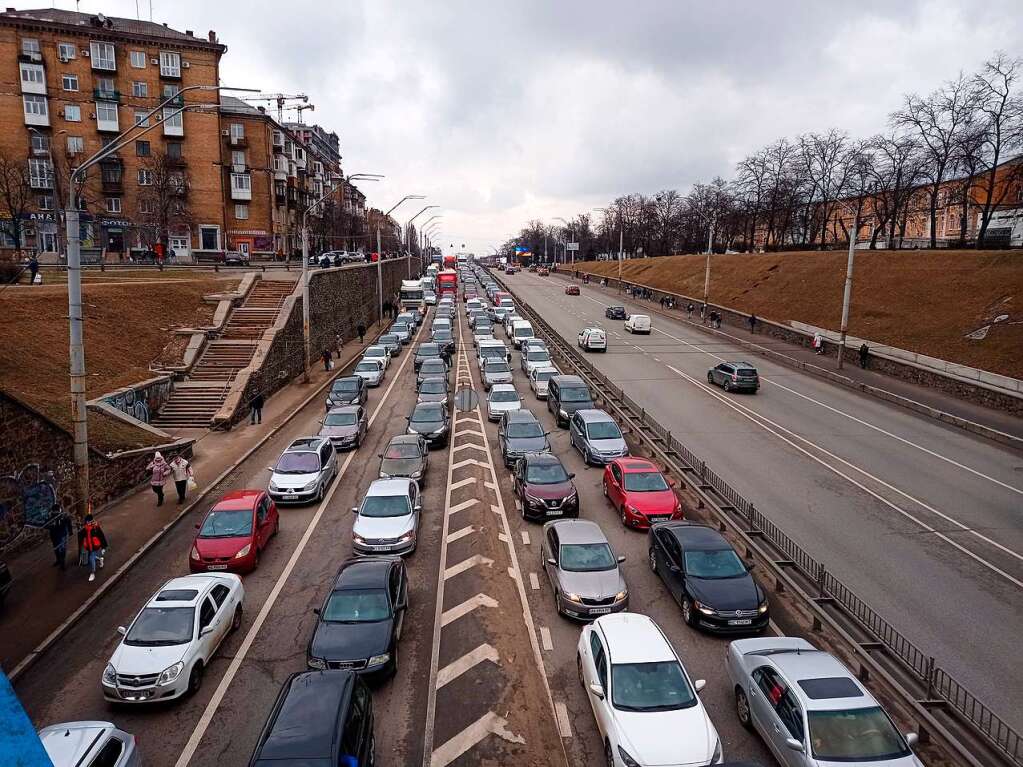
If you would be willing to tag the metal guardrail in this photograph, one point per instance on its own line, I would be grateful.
(942, 690)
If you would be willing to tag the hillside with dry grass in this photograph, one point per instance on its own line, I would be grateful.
(920, 300)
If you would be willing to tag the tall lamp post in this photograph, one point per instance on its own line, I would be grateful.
(854, 231)
(74, 271)
(408, 236)
(423, 236)
(568, 226)
(380, 255)
(306, 331)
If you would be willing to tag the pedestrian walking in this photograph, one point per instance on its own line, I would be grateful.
(361, 330)
(92, 546)
(59, 528)
(818, 343)
(690, 309)
(864, 356)
(33, 269)
(325, 356)
(339, 342)
(181, 471)
(160, 471)
(257, 409)
(753, 323)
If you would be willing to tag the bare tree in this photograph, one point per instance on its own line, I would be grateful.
(18, 195)
(163, 201)
(895, 173)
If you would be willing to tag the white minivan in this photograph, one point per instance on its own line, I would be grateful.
(638, 323)
(520, 331)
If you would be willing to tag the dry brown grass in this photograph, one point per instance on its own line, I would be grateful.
(923, 301)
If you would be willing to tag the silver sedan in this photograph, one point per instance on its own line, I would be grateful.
(582, 569)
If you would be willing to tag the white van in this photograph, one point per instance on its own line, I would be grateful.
(520, 331)
(491, 349)
(638, 323)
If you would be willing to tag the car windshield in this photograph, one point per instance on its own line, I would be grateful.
(498, 367)
(603, 430)
(575, 394)
(434, 366)
(546, 474)
(504, 396)
(298, 463)
(645, 481)
(746, 372)
(346, 384)
(341, 419)
(367, 367)
(402, 450)
(433, 387)
(385, 506)
(587, 557)
(659, 686)
(538, 356)
(428, 350)
(357, 606)
(161, 626)
(388, 338)
(853, 735)
(227, 524)
(715, 563)
(523, 332)
(442, 335)
(376, 351)
(545, 375)
(524, 430)
(429, 413)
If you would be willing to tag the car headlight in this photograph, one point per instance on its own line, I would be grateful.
(563, 414)
(310, 486)
(621, 595)
(195, 553)
(319, 663)
(244, 552)
(406, 538)
(358, 538)
(417, 475)
(717, 752)
(170, 674)
(534, 500)
(762, 608)
(626, 759)
(376, 660)
(573, 597)
(110, 675)
(703, 608)
(273, 487)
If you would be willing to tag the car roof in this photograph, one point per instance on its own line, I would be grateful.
(806, 665)
(238, 500)
(68, 742)
(305, 445)
(502, 387)
(543, 458)
(362, 572)
(634, 638)
(391, 486)
(405, 439)
(175, 590)
(564, 380)
(305, 721)
(740, 364)
(694, 536)
(519, 415)
(593, 415)
(345, 409)
(629, 465)
(578, 531)
(357, 380)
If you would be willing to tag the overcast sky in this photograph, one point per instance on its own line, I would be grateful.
(505, 111)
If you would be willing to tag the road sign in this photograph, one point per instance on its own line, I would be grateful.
(466, 399)
(572, 246)
(520, 249)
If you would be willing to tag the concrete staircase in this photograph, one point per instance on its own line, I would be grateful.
(196, 400)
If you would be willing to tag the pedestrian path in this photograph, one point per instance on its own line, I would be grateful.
(43, 597)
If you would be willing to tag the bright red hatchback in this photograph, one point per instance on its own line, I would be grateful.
(640, 493)
(234, 533)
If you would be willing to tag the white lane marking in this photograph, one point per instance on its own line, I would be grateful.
(468, 661)
(564, 722)
(250, 637)
(470, 604)
(490, 486)
(462, 506)
(502, 537)
(469, 462)
(459, 534)
(489, 723)
(545, 639)
(467, 446)
(525, 537)
(760, 421)
(462, 483)
(534, 582)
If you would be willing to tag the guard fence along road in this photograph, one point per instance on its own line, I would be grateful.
(942, 709)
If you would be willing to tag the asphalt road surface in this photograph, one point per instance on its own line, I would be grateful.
(921, 520)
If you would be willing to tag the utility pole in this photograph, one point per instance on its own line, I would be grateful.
(706, 275)
(621, 255)
(853, 231)
(380, 277)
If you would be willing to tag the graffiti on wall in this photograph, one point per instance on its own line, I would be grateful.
(140, 403)
(27, 499)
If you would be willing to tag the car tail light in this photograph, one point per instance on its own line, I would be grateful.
(735, 377)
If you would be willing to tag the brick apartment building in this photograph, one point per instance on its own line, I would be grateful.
(202, 182)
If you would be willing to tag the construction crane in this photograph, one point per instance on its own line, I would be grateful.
(283, 101)
(299, 109)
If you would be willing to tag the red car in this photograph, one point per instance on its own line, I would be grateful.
(234, 533)
(571, 290)
(640, 493)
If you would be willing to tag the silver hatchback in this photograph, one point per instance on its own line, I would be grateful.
(582, 569)
(596, 436)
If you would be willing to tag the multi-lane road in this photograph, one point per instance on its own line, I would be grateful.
(922, 520)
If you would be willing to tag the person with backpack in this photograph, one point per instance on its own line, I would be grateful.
(92, 545)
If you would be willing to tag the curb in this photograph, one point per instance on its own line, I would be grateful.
(39, 650)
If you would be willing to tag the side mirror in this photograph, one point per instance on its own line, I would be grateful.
(794, 744)
(572, 475)
(699, 684)
(597, 690)
(269, 468)
(122, 630)
(419, 507)
(621, 558)
(380, 455)
(750, 566)
(355, 509)
(552, 561)
(316, 611)
(912, 739)
(196, 525)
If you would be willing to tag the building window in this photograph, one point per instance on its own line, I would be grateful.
(113, 204)
(142, 149)
(140, 90)
(40, 143)
(170, 64)
(141, 117)
(73, 113)
(241, 182)
(278, 138)
(69, 82)
(173, 121)
(46, 202)
(105, 85)
(102, 56)
(279, 188)
(241, 211)
(30, 46)
(145, 177)
(36, 111)
(111, 172)
(174, 150)
(237, 131)
(33, 80)
(147, 206)
(75, 145)
(106, 116)
(209, 237)
(237, 157)
(138, 59)
(66, 51)
(40, 174)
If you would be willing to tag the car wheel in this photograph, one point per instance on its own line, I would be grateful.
(236, 621)
(579, 669)
(710, 378)
(608, 755)
(652, 559)
(319, 495)
(195, 678)
(255, 559)
(394, 661)
(625, 517)
(727, 386)
(742, 709)
(688, 613)
(372, 750)
(603, 486)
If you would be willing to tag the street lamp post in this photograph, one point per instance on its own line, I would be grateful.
(74, 281)
(570, 234)
(408, 237)
(847, 294)
(423, 239)
(380, 255)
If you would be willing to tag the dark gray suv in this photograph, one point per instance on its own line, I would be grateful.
(734, 376)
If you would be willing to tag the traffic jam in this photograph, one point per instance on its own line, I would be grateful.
(630, 694)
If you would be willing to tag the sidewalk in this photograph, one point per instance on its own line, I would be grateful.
(43, 597)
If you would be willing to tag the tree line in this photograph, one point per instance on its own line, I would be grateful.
(943, 151)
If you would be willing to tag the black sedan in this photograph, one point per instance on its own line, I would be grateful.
(446, 341)
(520, 433)
(616, 313)
(406, 455)
(349, 390)
(425, 352)
(432, 421)
(707, 578)
(360, 622)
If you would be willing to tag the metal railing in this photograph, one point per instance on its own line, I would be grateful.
(940, 685)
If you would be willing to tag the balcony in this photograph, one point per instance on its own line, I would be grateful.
(176, 162)
(176, 101)
(237, 142)
(102, 94)
(113, 186)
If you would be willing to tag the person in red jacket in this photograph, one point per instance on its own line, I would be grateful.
(93, 543)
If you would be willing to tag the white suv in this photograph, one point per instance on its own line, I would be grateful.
(647, 708)
(166, 648)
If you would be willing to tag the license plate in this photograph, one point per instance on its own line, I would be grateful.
(554, 512)
(741, 622)
(291, 497)
(216, 567)
(600, 610)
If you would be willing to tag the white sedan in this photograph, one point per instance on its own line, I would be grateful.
(378, 352)
(501, 399)
(165, 650)
(647, 709)
(372, 370)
